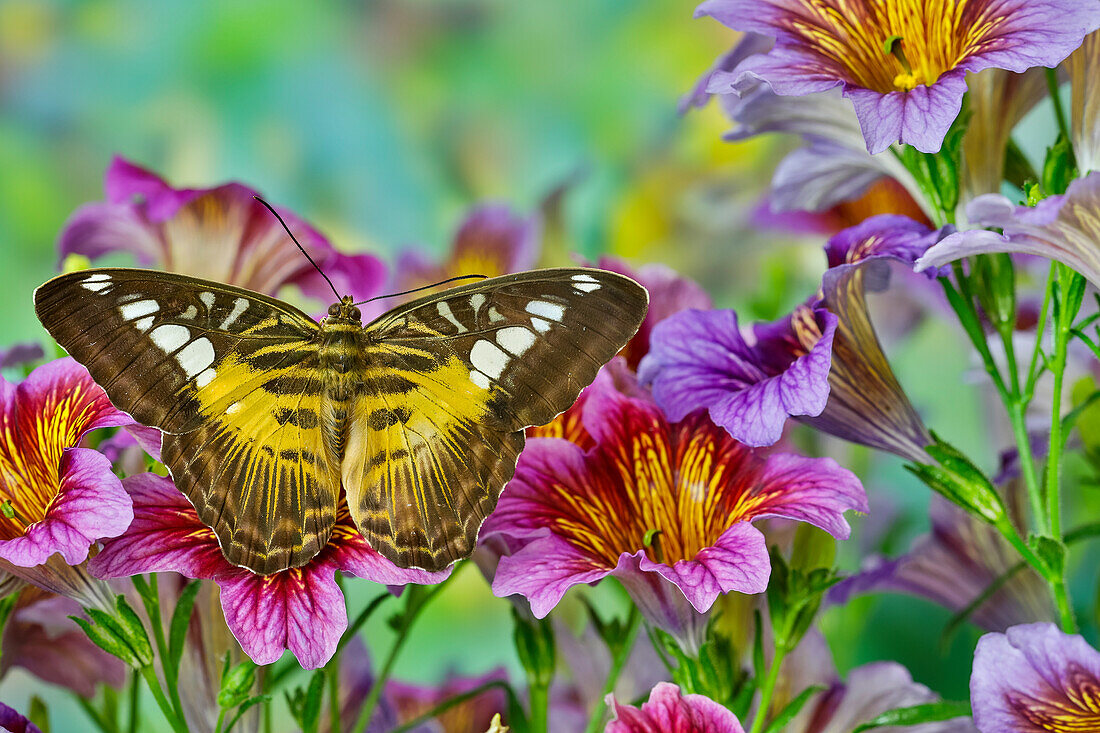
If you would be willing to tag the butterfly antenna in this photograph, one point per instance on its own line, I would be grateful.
(292, 238)
(423, 287)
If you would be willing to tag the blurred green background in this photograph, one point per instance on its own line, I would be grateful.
(382, 122)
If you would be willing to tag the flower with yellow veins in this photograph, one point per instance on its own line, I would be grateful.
(902, 63)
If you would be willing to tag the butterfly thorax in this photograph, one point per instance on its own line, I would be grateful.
(340, 356)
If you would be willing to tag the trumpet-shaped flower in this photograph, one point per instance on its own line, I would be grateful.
(823, 363)
(219, 233)
(1034, 678)
(58, 498)
(666, 508)
(670, 710)
(301, 609)
(1084, 66)
(1062, 228)
(902, 63)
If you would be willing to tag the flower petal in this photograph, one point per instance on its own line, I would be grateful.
(543, 571)
(300, 609)
(669, 710)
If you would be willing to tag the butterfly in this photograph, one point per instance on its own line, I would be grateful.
(266, 414)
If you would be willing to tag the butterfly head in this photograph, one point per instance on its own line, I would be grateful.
(344, 312)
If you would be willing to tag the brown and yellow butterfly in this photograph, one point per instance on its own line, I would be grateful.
(266, 413)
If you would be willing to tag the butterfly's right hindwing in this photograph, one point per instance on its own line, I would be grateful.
(232, 378)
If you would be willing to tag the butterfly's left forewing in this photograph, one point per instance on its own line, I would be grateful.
(452, 380)
(232, 378)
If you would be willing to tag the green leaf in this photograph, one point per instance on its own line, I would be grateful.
(244, 708)
(534, 642)
(39, 714)
(791, 709)
(311, 707)
(237, 684)
(134, 630)
(1051, 552)
(927, 713)
(181, 620)
(1059, 167)
(958, 479)
(108, 641)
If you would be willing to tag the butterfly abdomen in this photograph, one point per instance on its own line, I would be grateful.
(341, 361)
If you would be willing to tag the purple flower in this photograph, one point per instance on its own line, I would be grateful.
(301, 609)
(60, 497)
(666, 508)
(40, 638)
(220, 234)
(492, 241)
(669, 710)
(12, 721)
(823, 363)
(1034, 678)
(20, 354)
(914, 94)
(1062, 228)
(952, 566)
(1084, 66)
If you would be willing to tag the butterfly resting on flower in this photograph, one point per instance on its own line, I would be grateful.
(271, 420)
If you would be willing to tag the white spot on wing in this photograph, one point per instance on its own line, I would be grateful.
(479, 379)
(170, 337)
(586, 287)
(97, 278)
(584, 277)
(144, 324)
(495, 316)
(488, 358)
(196, 357)
(546, 310)
(515, 339)
(476, 301)
(94, 286)
(205, 378)
(542, 326)
(207, 299)
(240, 305)
(445, 311)
(131, 311)
(190, 314)
(233, 409)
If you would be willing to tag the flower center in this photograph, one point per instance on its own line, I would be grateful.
(1079, 710)
(892, 45)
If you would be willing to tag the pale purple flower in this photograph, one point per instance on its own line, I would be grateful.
(669, 710)
(20, 354)
(915, 94)
(1035, 678)
(301, 609)
(1063, 228)
(586, 515)
(954, 564)
(221, 234)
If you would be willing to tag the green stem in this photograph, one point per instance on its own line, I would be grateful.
(538, 693)
(175, 721)
(1056, 98)
(768, 689)
(135, 702)
(633, 623)
(1017, 408)
(221, 720)
(407, 621)
(333, 672)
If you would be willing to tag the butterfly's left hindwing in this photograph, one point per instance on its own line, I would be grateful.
(452, 380)
(232, 378)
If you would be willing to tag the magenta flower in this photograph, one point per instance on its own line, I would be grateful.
(1034, 678)
(666, 508)
(220, 234)
(1062, 228)
(491, 241)
(301, 609)
(669, 710)
(823, 363)
(61, 498)
(40, 638)
(915, 93)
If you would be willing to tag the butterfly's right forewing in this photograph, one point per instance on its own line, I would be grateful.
(232, 378)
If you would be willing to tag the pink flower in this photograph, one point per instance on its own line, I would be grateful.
(668, 710)
(301, 609)
(220, 234)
